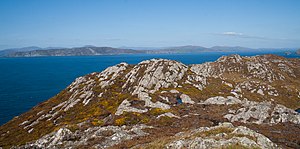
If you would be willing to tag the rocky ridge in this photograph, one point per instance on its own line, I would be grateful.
(170, 97)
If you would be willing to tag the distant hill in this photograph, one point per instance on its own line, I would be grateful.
(197, 49)
(13, 50)
(181, 49)
(227, 48)
(93, 50)
(142, 48)
(79, 51)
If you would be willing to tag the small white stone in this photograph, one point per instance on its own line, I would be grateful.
(259, 91)
(174, 91)
(168, 114)
(30, 130)
(186, 99)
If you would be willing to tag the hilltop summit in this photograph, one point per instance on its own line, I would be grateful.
(234, 101)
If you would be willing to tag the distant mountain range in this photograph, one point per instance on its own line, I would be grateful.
(79, 51)
(13, 50)
(181, 49)
(93, 50)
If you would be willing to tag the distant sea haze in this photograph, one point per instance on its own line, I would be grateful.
(25, 82)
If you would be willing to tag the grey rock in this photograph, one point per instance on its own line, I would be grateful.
(125, 107)
(148, 103)
(222, 100)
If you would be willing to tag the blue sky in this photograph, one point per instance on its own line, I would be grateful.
(149, 23)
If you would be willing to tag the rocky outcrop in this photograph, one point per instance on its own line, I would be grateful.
(151, 75)
(108, 76)
(256, 67)
(104, 137)
(255, 112)
(263, 112)
(225, 135)
(219, 100)
(110, 108)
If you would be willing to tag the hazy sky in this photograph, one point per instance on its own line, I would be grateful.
(154, 23)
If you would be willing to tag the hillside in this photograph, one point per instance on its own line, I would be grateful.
(234, 102)
(80, 51)
(6, 52)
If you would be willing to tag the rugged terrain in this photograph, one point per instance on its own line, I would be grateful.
(234, 102)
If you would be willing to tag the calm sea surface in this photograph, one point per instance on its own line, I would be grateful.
(25, 82)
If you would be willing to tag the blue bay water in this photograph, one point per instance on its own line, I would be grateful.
(25, 82)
